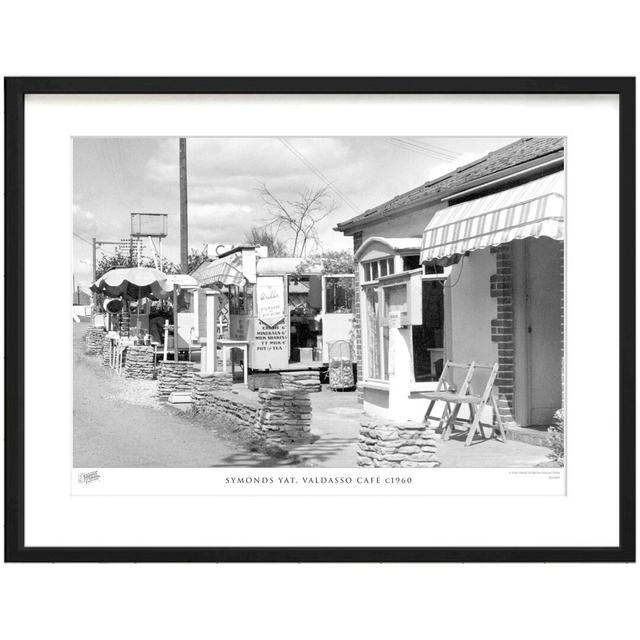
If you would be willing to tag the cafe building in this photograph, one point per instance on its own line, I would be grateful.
(467, 267)
(283, 313)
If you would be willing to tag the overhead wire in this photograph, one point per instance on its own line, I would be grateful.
(431, 147)
(307, 163)
(411, 146)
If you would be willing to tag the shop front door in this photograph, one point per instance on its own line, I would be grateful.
(538, 327)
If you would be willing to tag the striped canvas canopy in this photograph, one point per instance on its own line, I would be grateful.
(133, 283)
(224, 271)
(533, 209)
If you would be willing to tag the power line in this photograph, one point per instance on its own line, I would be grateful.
(319, 173)
(400, 145)
(410, 146)
(426, 148)
(307, 163)
(434, 147)
(77, 235)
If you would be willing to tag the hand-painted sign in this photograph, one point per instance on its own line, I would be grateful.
(270, 299)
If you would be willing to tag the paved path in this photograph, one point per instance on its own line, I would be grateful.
(118, 423)
(336, 424)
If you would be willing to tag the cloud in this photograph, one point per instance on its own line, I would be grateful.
(113, 177)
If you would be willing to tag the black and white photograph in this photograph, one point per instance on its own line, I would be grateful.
(318, 302)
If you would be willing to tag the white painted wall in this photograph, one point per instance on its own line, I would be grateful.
(405, 225)
(472, 309)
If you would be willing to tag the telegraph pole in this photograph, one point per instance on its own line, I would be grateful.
(93, 278)
(184, 240)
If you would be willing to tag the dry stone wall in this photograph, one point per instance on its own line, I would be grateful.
(276, 416)
(174, 376)
(140, 362)
(230, 406)
(205, 385)
(301, 380)
(106, 351)
(396, 444)
(284, 415)
(93, 340)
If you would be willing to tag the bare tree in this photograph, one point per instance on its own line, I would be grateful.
(266, 237)
(299, 217)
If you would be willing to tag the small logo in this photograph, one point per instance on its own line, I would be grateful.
(88, 477)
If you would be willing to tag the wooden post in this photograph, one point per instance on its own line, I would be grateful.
(184, 240)
(94, 294)
(212, 326)
(175, 323)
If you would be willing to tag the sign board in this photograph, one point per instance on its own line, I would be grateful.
(395, 320)
(270, 346)
(270, 300)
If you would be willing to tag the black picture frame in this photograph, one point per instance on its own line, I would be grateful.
(15, 91)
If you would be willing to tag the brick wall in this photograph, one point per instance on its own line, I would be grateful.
(502, 331)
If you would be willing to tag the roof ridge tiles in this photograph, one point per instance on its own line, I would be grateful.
(515, 153)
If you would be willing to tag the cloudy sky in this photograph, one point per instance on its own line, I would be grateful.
(115, 176)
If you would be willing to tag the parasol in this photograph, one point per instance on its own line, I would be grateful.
(133, 283)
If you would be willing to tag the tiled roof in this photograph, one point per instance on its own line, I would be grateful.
(517, 153)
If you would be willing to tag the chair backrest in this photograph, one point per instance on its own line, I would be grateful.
(455, 377)
(482, 380)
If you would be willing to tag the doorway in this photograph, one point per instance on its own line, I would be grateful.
(538, 301)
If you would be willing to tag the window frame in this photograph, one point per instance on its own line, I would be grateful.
(443, 277)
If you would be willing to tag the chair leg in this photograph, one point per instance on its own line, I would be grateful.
(494, 403)
(472, 413)
(450, 422)
(444, 418)
(427, 415)
(472, 430)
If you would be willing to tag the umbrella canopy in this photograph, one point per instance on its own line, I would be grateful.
(182, 280)
(133, 283)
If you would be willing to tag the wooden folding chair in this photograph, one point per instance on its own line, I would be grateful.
(481, 396)
(446, 391)
(469, 394)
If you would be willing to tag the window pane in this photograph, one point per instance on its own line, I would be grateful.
(339, 295)
(390, 262)
(373, 334)
(374, 270)
(410, 262)
(428, 338)
(367, 271)
(395, 300)
(383, 268)
(385, 352)
(185, 301)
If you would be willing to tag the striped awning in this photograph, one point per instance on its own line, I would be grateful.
(533, 209)
(225, 271)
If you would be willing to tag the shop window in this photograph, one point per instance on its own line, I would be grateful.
(339, 294)
(240, 299)
(305, 324)
(374, 370)
(234, 298)
(409, 263)
(185, 301)
(431, 269)
(428, 338)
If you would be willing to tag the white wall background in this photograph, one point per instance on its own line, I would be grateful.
(331, 38)
(473, 308)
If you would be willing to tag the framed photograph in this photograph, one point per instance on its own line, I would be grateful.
(320, 319)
